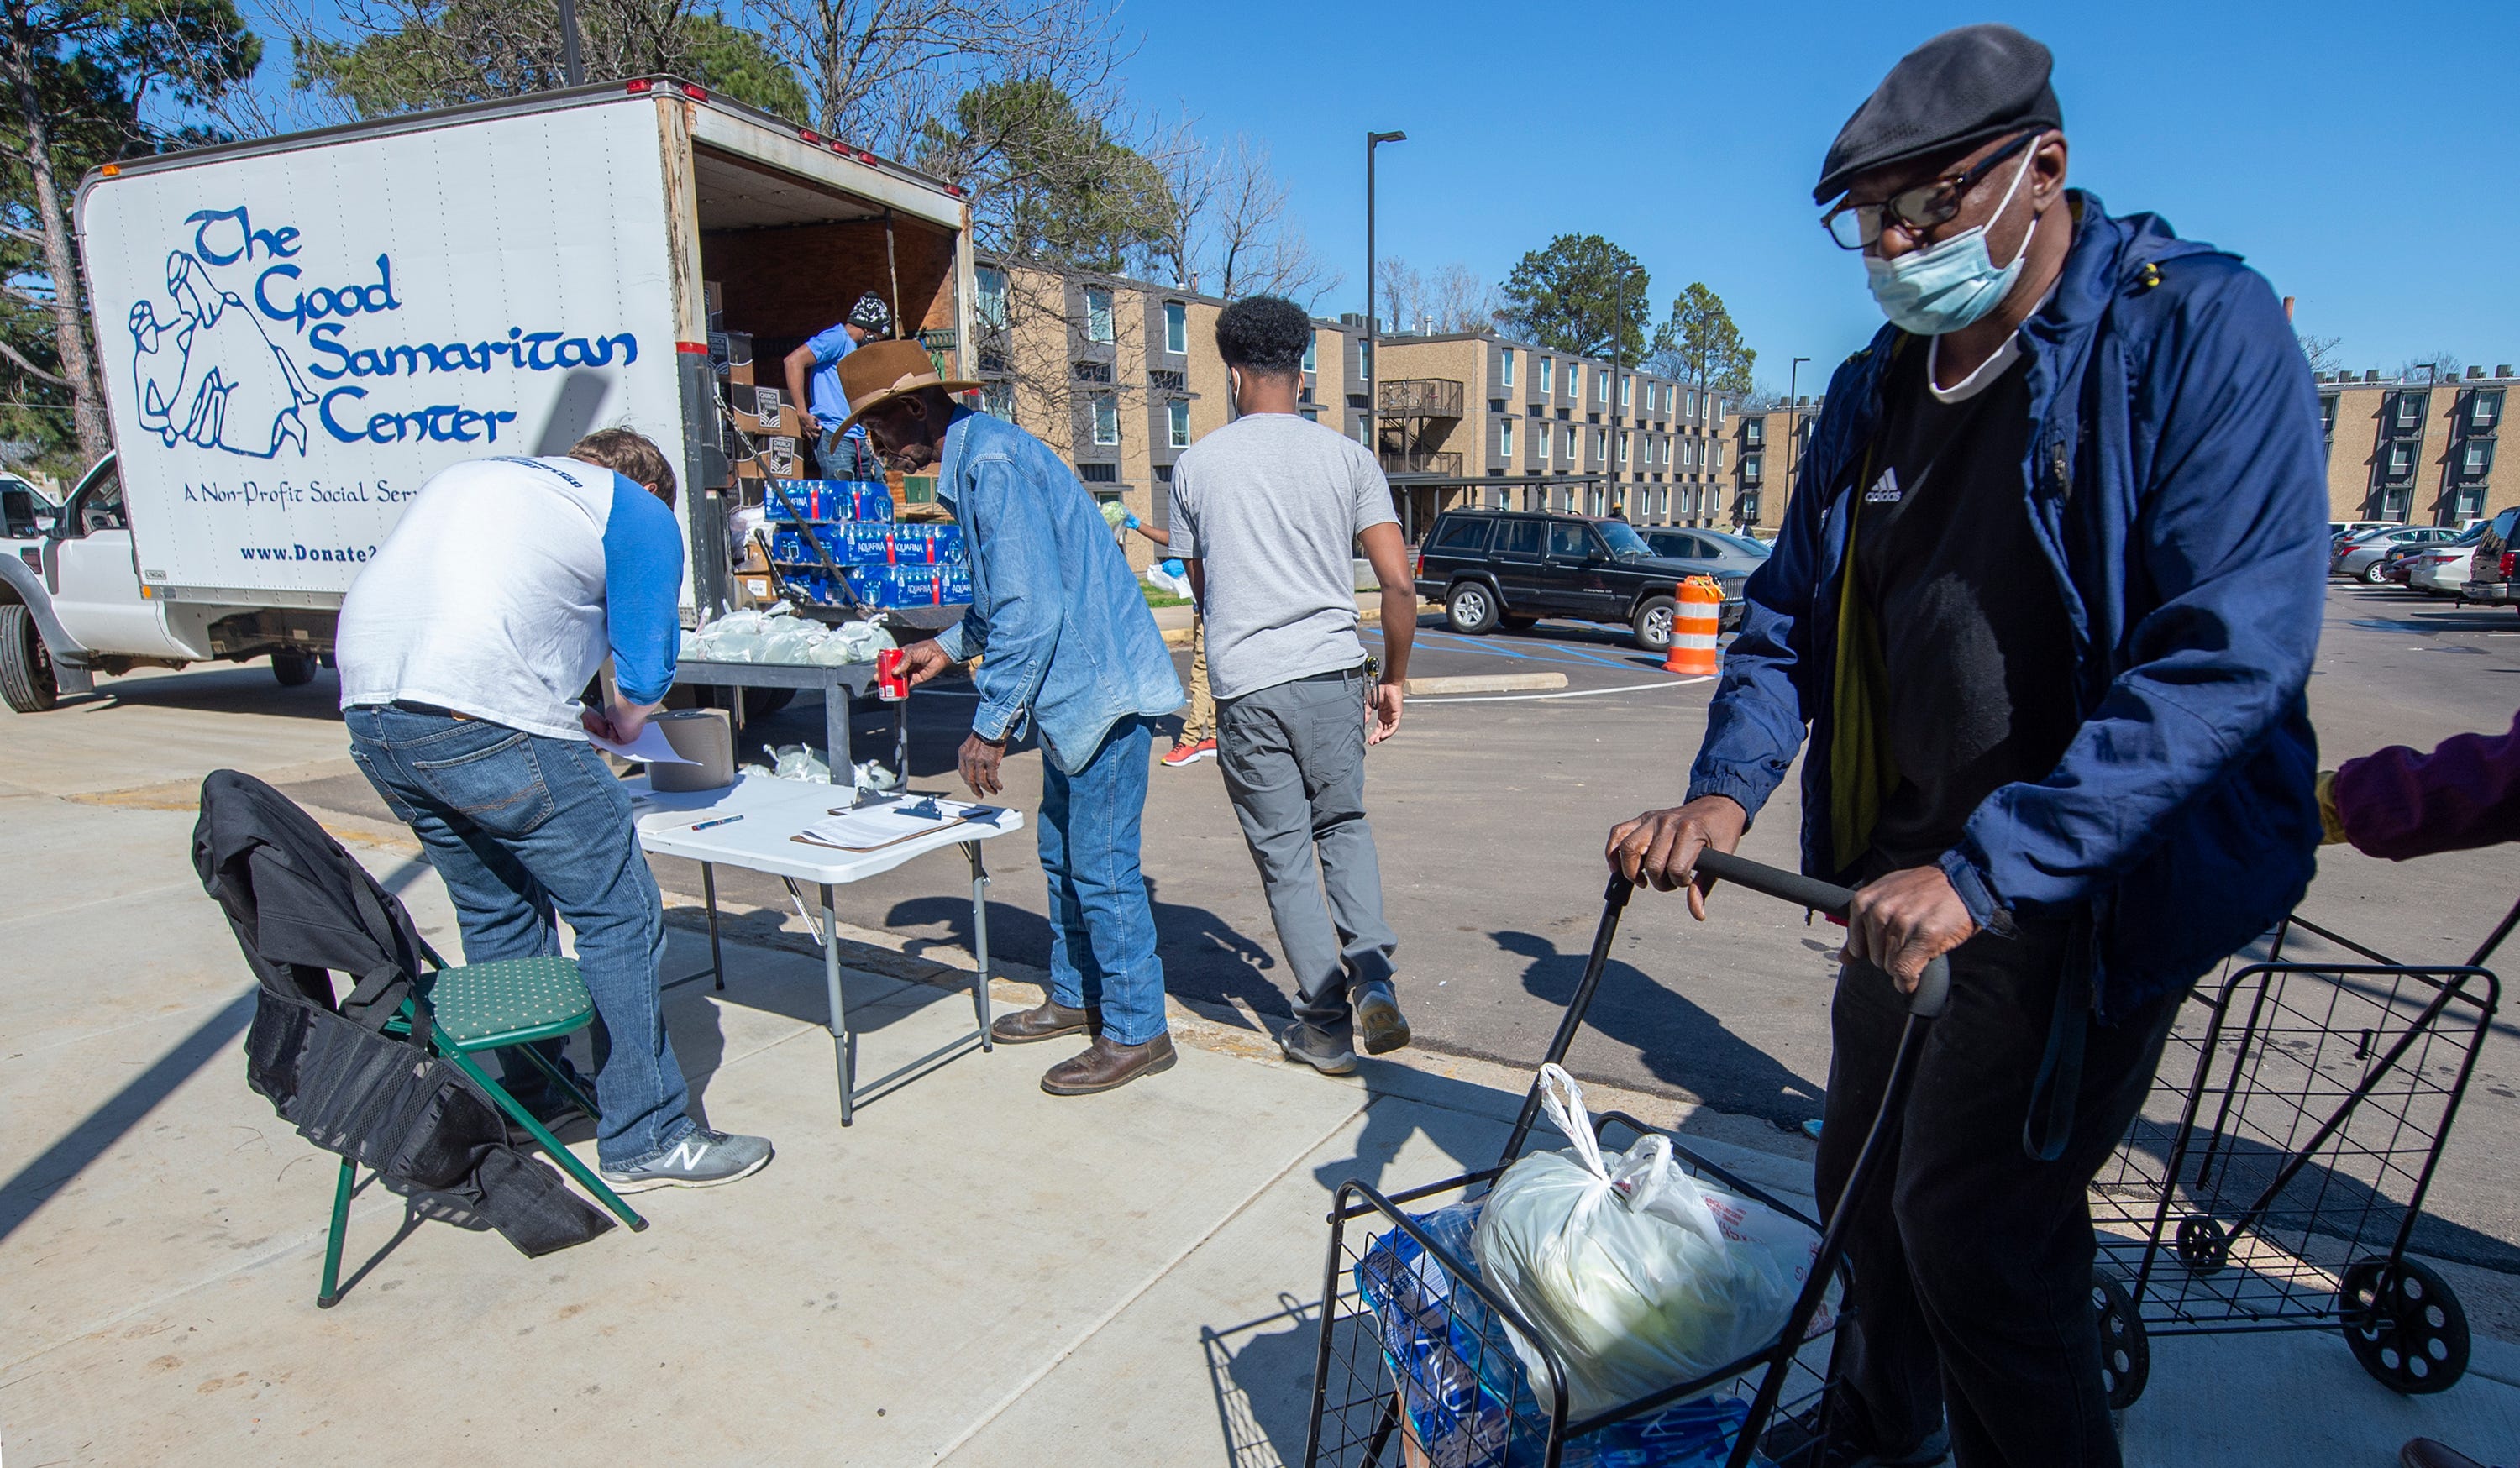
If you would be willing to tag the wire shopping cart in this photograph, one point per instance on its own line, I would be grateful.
(2278, 1168)
(1416, 1367)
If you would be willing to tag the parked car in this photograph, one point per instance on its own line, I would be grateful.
(1491, 567)
(2439, 570)
(1720, 552)
(2339, 529)
(2489, 573)
(2361, 555)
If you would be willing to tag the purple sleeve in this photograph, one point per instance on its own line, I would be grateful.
(2396, 803)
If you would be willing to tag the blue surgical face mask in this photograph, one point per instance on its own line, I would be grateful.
(1951, 282)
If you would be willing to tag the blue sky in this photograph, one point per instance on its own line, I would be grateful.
(2359, 155)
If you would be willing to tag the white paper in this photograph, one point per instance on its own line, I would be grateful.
(650, 747)
(859, 830)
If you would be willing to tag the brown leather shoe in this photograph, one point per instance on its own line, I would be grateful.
(1107, 1065)
(2424, 1453)
(1046, 1020)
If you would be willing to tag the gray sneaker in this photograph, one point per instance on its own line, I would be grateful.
(702, 1159)
(1317, 1047)
(1379, 1021)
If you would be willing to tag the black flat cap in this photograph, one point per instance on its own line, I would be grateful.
(1948, 95)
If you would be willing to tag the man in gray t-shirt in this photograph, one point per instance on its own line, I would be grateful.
(1267, 513)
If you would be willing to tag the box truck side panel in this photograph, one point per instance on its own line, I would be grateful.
(293, 341)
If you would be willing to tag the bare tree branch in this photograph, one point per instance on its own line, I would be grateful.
(29, 368)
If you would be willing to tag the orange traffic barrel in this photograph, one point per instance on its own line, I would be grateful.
(1692, 628)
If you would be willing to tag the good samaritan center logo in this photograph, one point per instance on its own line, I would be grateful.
(206, 370)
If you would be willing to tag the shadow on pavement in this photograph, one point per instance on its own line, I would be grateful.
(218, 690)
(1682, 1044)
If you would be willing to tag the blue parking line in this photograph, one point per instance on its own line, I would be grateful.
(1490, 648)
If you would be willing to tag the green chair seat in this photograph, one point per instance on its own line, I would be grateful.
(484, 1006)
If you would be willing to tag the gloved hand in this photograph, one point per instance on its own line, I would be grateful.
(2332, 825)
(1131, 520)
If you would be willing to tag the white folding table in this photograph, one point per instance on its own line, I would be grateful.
(774, 812)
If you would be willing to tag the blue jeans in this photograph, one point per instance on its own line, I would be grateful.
(522, 826)
(847, 458)
(1101, 928)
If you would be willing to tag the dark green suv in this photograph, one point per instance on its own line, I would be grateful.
(1495, 565)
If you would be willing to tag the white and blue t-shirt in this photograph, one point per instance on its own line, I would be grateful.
(504, 586)
(831, 404)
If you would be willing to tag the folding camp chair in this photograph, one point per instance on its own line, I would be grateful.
(485, 1007)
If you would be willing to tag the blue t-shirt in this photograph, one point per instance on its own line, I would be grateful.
(829, 403)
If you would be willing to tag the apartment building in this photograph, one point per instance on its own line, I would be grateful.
(2415, 448)
(1120, 375)
(1767, 445)
(1479, 418)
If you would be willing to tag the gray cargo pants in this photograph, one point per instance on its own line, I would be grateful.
(1293, 757)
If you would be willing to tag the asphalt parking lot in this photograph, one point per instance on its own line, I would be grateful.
(1490, 811)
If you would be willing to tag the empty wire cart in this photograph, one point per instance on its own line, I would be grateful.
(2275, 1176)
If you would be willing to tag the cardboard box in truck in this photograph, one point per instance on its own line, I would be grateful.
(296, 332)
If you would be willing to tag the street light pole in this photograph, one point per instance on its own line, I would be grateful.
(1793, 421)
(572, 54)
(1373, 354)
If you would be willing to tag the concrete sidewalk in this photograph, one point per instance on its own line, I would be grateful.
(975, 1273)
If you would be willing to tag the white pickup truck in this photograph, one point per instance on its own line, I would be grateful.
(295, 332)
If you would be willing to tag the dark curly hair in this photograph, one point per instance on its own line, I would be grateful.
(1266, 335)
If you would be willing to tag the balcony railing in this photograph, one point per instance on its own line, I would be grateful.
(1427, 461)
(1421, 398)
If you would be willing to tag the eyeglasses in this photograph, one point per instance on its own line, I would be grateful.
(1855, 226)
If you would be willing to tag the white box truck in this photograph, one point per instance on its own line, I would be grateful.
(295, 332)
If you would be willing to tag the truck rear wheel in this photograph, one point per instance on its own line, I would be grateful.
(1471, 609)
(27, 682)
(292, 669)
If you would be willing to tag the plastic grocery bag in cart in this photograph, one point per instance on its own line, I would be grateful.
(1465, 1400)
(1639, 1275)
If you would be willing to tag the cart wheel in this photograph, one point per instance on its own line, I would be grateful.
(2201, 1244)
(2125, 1355)
(2404, 1325)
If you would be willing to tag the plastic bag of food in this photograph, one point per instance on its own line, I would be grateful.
(798, 762)
(1115, 513)
(1170, 577)
(1638, 1276)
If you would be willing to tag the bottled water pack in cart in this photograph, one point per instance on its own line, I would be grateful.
(824, 501)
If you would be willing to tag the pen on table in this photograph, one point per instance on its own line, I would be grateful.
(701, 825)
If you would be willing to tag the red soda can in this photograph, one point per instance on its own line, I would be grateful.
(891, 685)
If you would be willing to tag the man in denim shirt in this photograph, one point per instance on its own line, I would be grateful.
(1072, 654)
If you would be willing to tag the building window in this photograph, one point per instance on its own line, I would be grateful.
(1505, 437)
(1539, 443)
(1311, 414)
(1623, 448)
(1591, 501)
(2479, 460)
(1504, 368)
(1099, 474)
(1312, 352)
(1627, 391)
(1754, 432)
(2327, 414)
(1600, 387)
(1168, 382)
(993, 296)
(1178, 411)
(1749, 505)
(2402, 459)
(1715, 455)
(1175, 327)
(2483, 411)
(1365, 360)
(997, 399)
(1601, 445)
(1572, 452)
(1546, 362)
(1749, 469)
(1098, 313)
(1106, 417)
(2410, 411)
(1092, 372)
(1575, 380)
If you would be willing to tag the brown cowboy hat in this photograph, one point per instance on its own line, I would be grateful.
(881, 371)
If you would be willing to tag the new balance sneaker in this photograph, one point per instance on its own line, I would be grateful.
(1379, 1021)
(1184, 753)
(702, 1159)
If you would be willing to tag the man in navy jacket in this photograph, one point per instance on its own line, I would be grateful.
(2046, 599)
